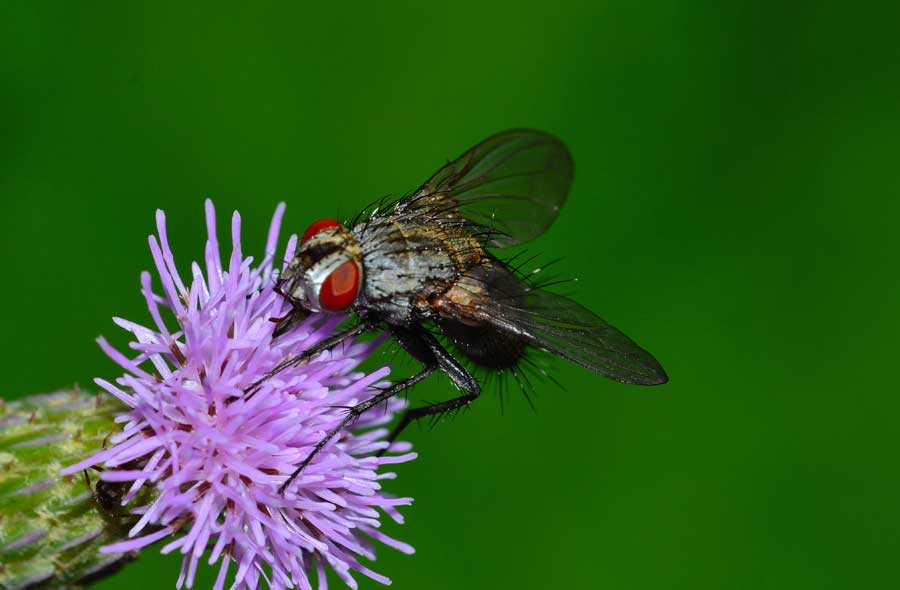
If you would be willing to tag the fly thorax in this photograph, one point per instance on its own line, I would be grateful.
(404, 264)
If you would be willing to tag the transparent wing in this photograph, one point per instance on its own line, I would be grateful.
(511, 186)
(564, 328)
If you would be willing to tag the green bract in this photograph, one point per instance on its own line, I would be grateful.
(52, 527)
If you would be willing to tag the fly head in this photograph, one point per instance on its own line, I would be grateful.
(326, 272)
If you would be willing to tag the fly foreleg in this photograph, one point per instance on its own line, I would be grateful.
(326, 344)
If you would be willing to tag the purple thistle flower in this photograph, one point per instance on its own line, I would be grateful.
(217, 455)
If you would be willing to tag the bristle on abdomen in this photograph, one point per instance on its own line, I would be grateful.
(485, 346)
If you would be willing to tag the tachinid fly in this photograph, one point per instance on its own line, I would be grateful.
(423, 264)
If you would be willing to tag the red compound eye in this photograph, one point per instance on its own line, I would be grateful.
(317, 227)
(340, 288)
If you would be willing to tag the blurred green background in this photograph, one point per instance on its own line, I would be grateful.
(735, 210)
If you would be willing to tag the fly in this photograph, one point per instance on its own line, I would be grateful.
(424, 263)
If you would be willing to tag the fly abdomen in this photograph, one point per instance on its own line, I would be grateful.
(484, 345)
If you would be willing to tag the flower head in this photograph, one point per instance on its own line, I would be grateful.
(217, 454)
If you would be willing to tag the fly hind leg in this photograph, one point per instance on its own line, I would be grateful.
(430, 410)
(454, 370)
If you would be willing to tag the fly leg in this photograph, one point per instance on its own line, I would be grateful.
(313, 350)
(422, 346)
(457, 374)
(354, 413)
(287, 322)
